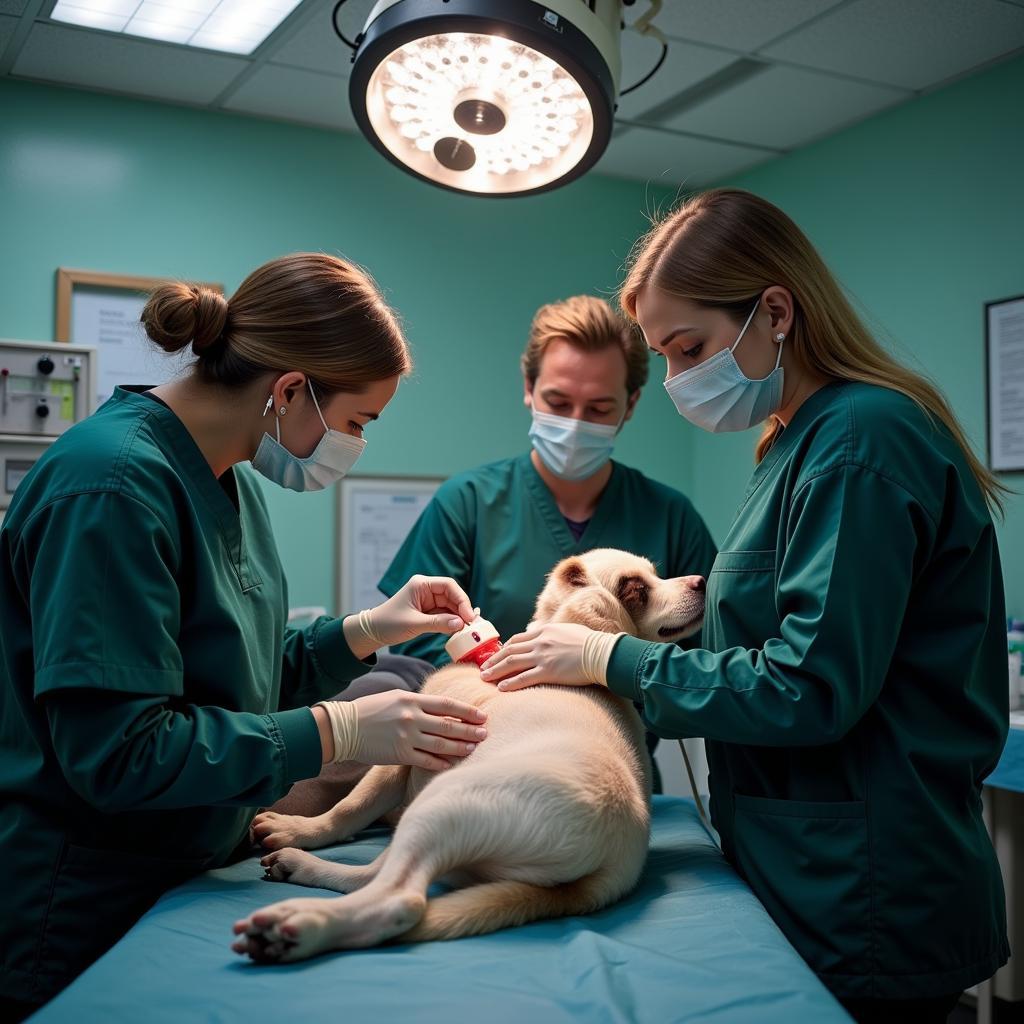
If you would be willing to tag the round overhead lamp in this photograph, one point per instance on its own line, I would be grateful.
(488, 97)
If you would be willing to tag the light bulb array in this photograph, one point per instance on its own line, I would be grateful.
(483, 107)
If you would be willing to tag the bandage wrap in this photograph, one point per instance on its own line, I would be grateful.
(344, 719)
(366, 626)
(597, 652)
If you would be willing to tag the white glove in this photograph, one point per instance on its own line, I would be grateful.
(398, 727)
(558, 652)
(426, 604)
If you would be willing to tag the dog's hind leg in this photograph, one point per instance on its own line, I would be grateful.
(490, 906)
(381, 790)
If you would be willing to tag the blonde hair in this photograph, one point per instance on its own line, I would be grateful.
(307, 311)
(723, 248)
(590, 325)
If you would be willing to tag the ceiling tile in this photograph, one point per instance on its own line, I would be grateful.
(315, 47)
(295, 95)
(664, 158)
(737, 24)
(684, 66)
(913, 43)
(124, 64)
(785, 107)
(7, 27)
(13, 6)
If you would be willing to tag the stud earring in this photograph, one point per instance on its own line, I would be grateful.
(780, 337)
(284, 409)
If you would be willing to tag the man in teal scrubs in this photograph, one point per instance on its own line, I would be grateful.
(500, 529)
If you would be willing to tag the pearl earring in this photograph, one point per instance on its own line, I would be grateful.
(780, 338)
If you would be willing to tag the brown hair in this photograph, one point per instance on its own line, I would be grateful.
(723, 248)
(307, 311)
(590, 325)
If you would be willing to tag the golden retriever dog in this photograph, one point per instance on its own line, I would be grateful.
(548, 817)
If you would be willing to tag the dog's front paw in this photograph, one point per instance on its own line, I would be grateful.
(291, 866)
(275, 831)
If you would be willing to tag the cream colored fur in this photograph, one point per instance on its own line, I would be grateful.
(549, 816)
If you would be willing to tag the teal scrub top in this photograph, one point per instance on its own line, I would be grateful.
(151, 695)
(498, 531)
(853, 696)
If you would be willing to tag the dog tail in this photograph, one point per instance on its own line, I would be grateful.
(491, 906)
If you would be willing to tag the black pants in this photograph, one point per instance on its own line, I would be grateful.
(12, 1010)
(934, 1010)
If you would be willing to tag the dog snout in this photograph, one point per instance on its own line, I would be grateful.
(696, 583)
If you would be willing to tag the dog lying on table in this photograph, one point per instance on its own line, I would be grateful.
(548, 817)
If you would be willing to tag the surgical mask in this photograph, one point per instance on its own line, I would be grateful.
(333, 457)
(572, 449)
(718, 396)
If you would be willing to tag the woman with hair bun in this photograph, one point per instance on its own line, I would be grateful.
(151, 694)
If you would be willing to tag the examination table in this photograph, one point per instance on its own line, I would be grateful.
(692, 943)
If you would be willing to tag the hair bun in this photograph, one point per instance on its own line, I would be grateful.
(178, 314)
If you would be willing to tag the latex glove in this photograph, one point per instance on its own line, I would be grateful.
(398, 727)
(426, 604)
(558, 652)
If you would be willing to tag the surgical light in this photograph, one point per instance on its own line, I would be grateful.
(490, 97)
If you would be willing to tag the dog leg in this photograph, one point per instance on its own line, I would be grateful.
(303, 868)
(381, 790)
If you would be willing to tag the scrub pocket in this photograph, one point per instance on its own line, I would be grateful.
(741, 600)
(808, 863)
(97, 896)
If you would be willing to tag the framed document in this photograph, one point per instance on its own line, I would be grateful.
(102, 310)
(374, 516)
(1004, 383)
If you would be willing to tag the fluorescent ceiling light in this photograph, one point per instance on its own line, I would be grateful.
(233, 26)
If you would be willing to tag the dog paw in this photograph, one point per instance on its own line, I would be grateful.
(290, 865)
(285, 932)
(275, 831)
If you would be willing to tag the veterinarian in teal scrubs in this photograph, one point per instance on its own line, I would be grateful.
(501, 528)
(852, 685)
(151, 695)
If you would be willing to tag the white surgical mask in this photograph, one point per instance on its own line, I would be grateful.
(718, 396)
(333, 457)
(572, 449)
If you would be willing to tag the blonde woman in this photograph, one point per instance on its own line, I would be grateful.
(151, 696)
(852, 687)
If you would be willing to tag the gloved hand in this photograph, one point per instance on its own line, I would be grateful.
(426, 604)
(398, 727)
(557, 652)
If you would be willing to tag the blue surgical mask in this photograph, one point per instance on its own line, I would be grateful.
(330, 460)
(572, 449)
(718, 396)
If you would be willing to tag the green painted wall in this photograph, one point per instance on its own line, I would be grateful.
(104, 183)
(920, 213)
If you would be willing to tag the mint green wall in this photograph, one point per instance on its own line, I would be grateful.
(103, 183)
(920, 213)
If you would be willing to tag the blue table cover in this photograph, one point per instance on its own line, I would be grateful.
(1009, 772)
(692, 943)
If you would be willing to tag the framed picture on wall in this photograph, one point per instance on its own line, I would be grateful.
(102, 310)
(374, 516)
(1004, 383)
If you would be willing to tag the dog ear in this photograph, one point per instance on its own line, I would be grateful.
(596, 608)
(573, 573)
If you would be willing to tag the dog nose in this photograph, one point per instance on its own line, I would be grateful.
(698, 584)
